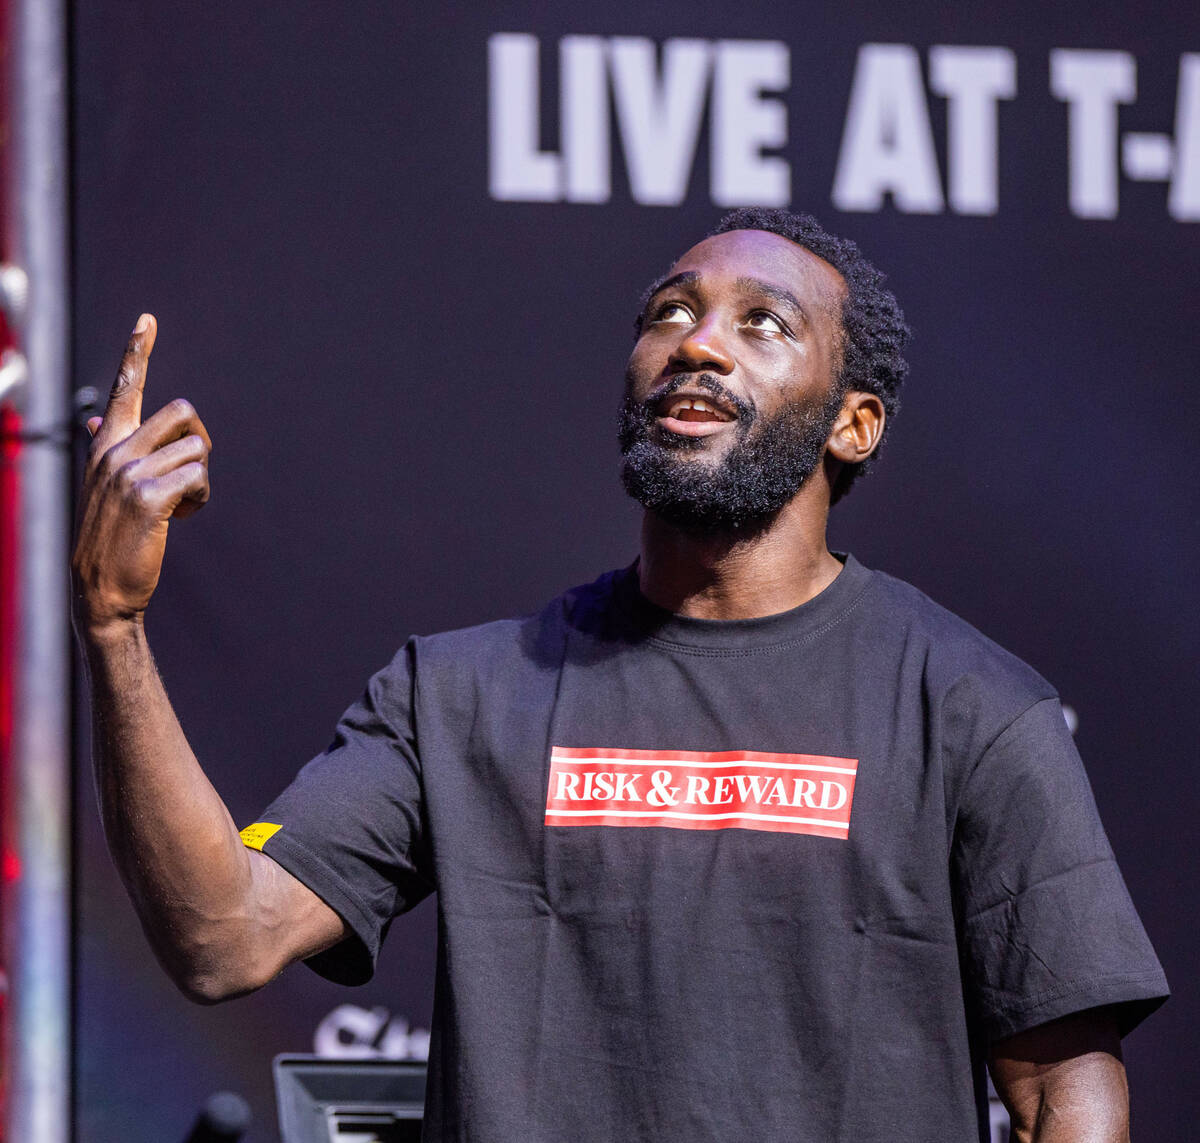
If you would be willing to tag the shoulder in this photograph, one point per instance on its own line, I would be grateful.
(954, 646)
(968, 679)
(535, 640)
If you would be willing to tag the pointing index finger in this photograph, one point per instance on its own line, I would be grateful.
(123, 413)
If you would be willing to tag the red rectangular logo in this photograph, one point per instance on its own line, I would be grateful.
(688, 789)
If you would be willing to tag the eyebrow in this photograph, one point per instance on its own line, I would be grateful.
(689, 277)
(665, 283)
(784, 297)
(657, 287)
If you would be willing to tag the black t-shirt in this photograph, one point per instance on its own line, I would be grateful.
(772, 879)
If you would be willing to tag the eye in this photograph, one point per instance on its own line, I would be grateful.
(765, 321)
(673, 312)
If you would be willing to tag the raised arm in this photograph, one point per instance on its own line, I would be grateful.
(1064, 1082)
(221, 918)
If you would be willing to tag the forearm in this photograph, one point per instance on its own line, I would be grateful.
(1064, 1082)
(170, 835)
(1094, 1110)
(223, 919)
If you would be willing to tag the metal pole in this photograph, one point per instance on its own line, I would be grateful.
(38, 921)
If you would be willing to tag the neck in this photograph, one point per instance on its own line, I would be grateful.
(736, 576)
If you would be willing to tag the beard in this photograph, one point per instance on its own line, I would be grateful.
(771, 457)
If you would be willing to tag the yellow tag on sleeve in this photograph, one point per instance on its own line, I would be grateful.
(257, 835)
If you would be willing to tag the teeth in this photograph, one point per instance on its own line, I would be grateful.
(699, 406)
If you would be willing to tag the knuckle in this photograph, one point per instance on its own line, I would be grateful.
(109, 464)
(190, 450)
(182, 409)
(142, 493)
(125, 478)
(125, 378)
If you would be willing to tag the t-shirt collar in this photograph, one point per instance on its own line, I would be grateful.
(661, 625)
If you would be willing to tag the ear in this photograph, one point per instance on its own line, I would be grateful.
(859, 425)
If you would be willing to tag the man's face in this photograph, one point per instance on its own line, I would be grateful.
(731, 390)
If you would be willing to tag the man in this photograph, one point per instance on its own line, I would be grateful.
(745, 841)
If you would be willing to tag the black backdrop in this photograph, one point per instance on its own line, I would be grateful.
(411, 387)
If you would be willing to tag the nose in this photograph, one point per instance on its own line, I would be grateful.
(702, 349)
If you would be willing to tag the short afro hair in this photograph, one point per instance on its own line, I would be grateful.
(873, 327)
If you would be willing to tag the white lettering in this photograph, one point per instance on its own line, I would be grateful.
(518, 171)
(972, 80)
(1092, 84)
(1183, 199)
(604, 787)
(659, 120)
(721, 793)
(402, 1043)
(778, 794)
(751, 787)
(697, 788)
(584, 118)
(349, 1032)
(627, 790)
(1146, 156)
(827, 794)
(803, 790)
(660, 793)
(888, 142)
(566, 786)
(744, 123)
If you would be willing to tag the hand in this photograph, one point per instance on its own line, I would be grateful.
(138, 476)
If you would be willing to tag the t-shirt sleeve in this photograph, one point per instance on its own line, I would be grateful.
(351, 824)
(1047, 925)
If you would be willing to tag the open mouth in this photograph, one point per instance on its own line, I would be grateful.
(693, 415)
(694, 409)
